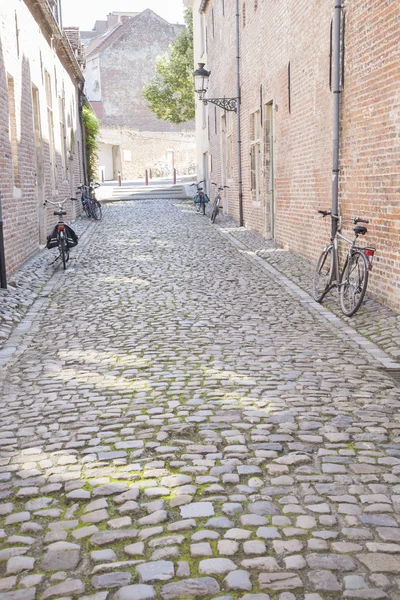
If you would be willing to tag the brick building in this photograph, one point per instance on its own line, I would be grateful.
(40, 134)
(286, 119)
(119, 62)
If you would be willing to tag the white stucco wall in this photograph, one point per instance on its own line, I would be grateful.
(93, 79)
(200, 55)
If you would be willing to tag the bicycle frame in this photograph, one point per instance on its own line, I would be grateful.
(337, 274)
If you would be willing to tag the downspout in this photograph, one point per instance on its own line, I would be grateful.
(238, 95)
(336, 113)
(83, 141)
(3, 270)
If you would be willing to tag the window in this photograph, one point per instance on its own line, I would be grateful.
(50, 120)
(13, 130)
(255, 4)
(244, 14)
(223, 8)
(255, 155)
(213, 23)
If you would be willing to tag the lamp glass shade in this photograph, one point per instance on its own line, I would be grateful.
(201, 79)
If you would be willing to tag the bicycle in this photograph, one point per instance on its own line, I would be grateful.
(201, 199)
(217, 201)
(352, 281)
(95, 206)
(62, 236)
(90, 204)
(82, 190)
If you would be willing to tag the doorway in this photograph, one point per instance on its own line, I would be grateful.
(39, 166)
(268, 170)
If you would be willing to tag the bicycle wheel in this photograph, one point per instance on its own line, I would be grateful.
(215, 211)
(64, 251)
(323, 274)
(93, 208)
(86, 207)
(354, 283)
(98, 210)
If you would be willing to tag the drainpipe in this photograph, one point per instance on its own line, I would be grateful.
(336, 112)
(3, 273)
(83, 142)
(238, 95)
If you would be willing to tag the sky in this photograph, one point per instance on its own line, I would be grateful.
(84, 14)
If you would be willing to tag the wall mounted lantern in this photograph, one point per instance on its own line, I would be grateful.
(201, 81)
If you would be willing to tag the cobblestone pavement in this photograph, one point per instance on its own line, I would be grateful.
(174, 424)
(374, 320)
(27, 283)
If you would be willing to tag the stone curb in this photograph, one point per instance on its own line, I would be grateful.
(347, 333)
(18, 341)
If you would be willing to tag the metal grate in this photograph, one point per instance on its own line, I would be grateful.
(394, 374)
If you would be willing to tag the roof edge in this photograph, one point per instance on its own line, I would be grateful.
(203, 5)
(62, 45)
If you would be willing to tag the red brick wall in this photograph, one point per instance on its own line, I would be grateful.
(20, 208)
(298, 31)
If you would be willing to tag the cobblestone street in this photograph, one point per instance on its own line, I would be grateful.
(176, 424)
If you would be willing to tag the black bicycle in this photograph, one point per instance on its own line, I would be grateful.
(91, 206)
(95, 206)
(63, 236)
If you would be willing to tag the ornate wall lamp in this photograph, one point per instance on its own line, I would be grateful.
(201, 81)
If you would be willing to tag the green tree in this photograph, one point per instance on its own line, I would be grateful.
(91, 126)
(170, 93)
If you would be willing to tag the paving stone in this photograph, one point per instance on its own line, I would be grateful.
(111, 580)
(198, 587)
(135, 592)
(197, 510)
(279, 581)
(380, 563)
(324, 581)
(68, 587)
(55, 560)
(16, 564)
(238, 580)
(161, 570)
(216, 566)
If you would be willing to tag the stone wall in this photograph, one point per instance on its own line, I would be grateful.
(117, 69)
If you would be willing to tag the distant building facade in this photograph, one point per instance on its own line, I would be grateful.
(119, 63)
(41, 155)
(287, 123)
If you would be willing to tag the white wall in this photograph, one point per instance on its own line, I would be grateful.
(106, 161)
(200, 55)
(93, 79)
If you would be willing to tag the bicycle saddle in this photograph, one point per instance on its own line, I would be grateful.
(59, 213)
(360, 230)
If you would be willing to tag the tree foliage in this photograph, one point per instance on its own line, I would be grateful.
(170, 93)
(91, 125)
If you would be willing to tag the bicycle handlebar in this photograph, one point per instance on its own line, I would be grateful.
(355, 220)
(59, 203)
